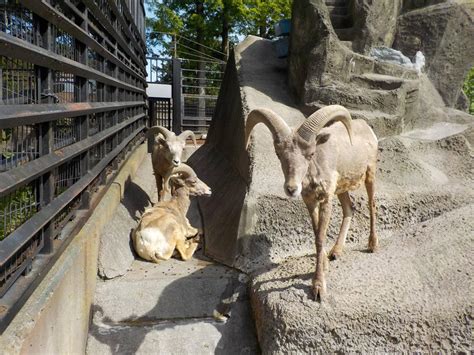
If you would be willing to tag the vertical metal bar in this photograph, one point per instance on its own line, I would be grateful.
(46, 134)
(176, 93)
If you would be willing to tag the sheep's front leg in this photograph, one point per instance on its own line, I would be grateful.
(346, 205)
(190, 230)
(159, 185)
(319, 282)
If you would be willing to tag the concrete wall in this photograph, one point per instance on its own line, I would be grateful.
(55, 319)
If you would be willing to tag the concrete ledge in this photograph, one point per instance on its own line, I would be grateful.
(55, 319)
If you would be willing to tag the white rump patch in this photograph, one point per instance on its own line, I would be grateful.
(151, 241)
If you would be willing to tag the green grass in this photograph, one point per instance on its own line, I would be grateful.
(25, 197)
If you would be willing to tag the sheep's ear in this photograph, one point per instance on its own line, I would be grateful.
(177, 180)
(162, 140)
(322, 138)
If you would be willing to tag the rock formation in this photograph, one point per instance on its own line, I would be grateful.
(408, 297)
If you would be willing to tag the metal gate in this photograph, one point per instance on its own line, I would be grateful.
(160, 112)
(195, 87)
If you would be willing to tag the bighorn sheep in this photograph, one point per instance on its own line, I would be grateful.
(166, 154)
(320, 162)
(164, 226)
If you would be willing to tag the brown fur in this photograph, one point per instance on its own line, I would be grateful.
(164, 227)
(326, 166)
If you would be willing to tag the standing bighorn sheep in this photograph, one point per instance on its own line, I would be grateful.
(164, 226)
(166, 154)
(320, 162)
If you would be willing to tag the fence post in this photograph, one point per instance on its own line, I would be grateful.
(46, 134)
(176, 94)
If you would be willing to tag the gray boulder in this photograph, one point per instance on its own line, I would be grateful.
(444, 34)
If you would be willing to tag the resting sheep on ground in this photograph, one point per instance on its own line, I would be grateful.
(166, 154)
(319, 162)
(164, 226)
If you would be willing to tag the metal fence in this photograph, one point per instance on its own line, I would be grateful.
(72, 105)
(196, 85)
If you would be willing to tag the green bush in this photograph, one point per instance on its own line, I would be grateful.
(468, 88)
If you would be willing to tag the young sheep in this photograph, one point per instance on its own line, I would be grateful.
(166, 154)
(319, 163)
(164, 226)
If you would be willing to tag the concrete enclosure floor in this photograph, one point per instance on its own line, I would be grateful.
(166, 308)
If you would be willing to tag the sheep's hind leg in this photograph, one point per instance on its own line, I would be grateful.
(186, 249)
(157, 257)
(370, 186)
(337, 249)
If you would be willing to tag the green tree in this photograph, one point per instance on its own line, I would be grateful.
(263, 14)
(213, 24)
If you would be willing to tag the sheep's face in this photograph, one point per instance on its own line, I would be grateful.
(294, 154)
(195, 186)
(172, 149)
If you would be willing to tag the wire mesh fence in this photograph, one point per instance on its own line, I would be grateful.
(18, 82)
(17, 207)
(18, 145)
(65, 132)
(200, 82)
(17, 21)
(71, 107)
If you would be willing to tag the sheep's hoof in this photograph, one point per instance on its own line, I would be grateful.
(319, 290)
(335, 253)
(373, 245)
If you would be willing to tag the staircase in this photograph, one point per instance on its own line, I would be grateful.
(342, 20)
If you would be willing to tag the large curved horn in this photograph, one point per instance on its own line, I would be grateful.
(187, 134)
(153, 131)
(322, 117)
(183, 169)
(274, 122)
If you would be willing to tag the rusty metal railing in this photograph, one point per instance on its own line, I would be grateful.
(72, 105)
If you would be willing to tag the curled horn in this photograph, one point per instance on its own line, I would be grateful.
(153, 131)
(183, 169)
(274, 122)
(321, 118)
(187, 134)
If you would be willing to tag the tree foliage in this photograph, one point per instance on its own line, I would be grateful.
(214, 24)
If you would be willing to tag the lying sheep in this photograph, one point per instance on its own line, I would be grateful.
(319, 163)
(164, 226)
(166, 154)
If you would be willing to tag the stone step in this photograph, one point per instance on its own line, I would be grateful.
(345, 34)
(378, 81)
(170, 307)
(382, 123)
(338, 10)
(348, 44)
(170, 290)
(336, 2)
(359, 98)
(341, 21)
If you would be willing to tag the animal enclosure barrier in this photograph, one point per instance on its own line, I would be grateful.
(72, 105)
(195, 88)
